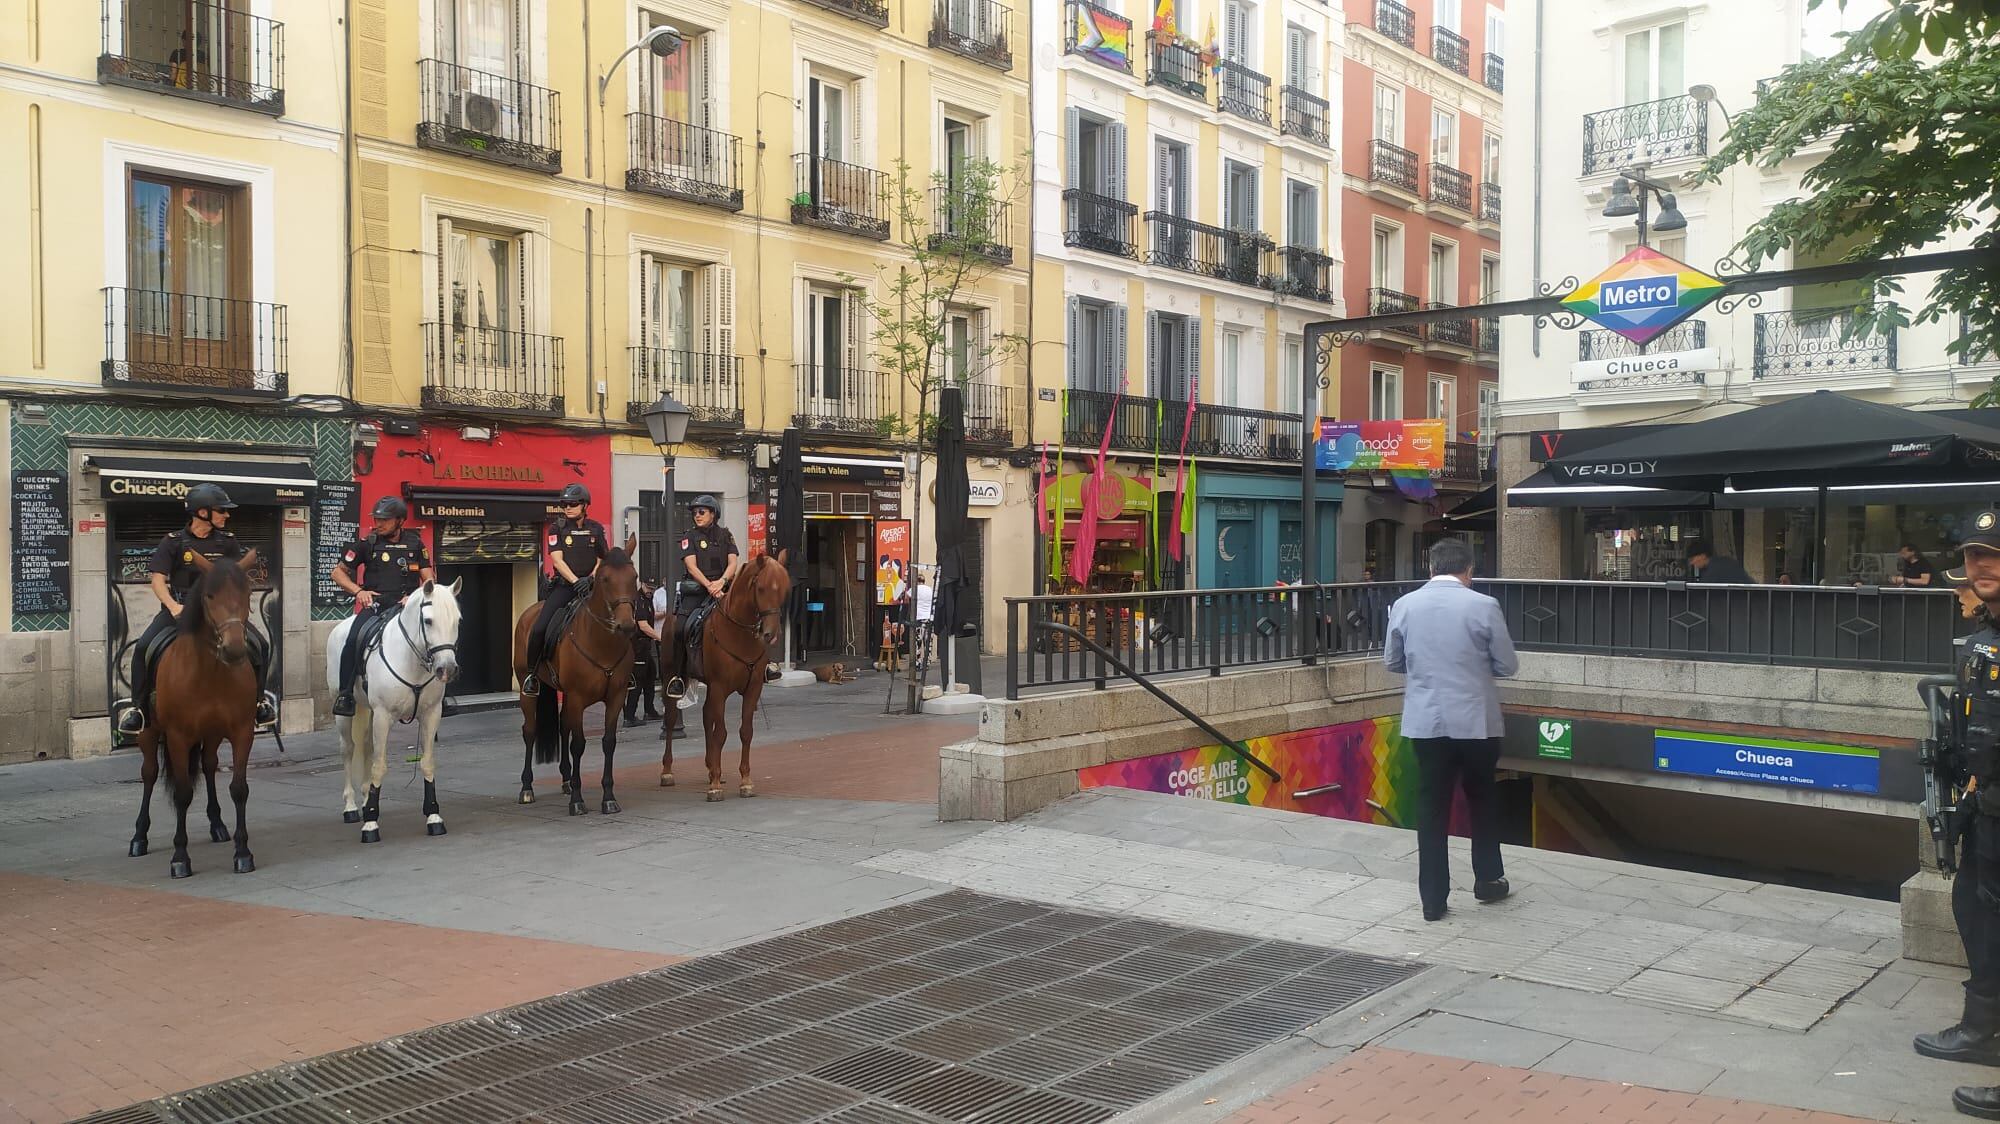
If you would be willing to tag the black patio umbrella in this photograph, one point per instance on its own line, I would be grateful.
(956, 600)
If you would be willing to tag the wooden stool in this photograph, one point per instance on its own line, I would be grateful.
(887, 657)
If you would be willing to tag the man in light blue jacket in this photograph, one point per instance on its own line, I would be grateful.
(1452, 643)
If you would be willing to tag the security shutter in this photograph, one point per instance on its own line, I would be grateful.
(1114, 161)
(1297, 58)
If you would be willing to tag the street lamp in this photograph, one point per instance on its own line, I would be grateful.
(1626, 201)
(663, 41)
(667, 425)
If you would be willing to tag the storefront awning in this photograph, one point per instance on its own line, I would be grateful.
(823, 466)
(1543, 489)
(1947, 491)
(1479, 505)
(260, 483)
(497, 507)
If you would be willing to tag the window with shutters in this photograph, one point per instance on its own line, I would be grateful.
(965, 350)
(1385, 394)
(1444, 137)
(687, 336)
(1443, 273)
(1097, 340)
(1232, 367)
(482, 35)
(1239, 33)
(833, 344)
(482, 286)
(1388, 114)
(833, 116)
(1173, 344)
(1300, 72)
(1239, 201)
(1489, 419)
(1291, 373)
(1170, 183)
(1441, 401)
(681, 86)
(1302, 215)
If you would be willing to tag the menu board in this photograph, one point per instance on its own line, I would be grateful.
(41, 542)
(336, 522)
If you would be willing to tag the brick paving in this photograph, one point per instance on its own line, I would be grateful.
(116, 995)
(1380, 1086)
(896, 762)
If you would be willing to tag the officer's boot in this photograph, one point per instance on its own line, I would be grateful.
(1982, 1101)
(343, 704)
(132, 720)
(1975, 1038)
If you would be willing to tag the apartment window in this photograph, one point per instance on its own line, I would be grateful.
(1655, 63)
(669, 309)
(1489, 419)
(186, 238)
(1237, 35)
(1292, 374)
(1386, 258)
(1496, 32)
(1232, 367)
(1444, 273)
(1096, 345)
(1444, 137)
(1673, 245)
(1489, 157)
(1447, 14)
(1239, 201)
(1489, 279)
(833, 342)
(1441, 402)
(964, 349)
(1385, 394)
(484, 291)
(481, 35)
(681, 86)
(1174, 342)
(833, 117)
(1299, 58)
(1389, 114)
(1170, 186)
(1096, 155)
(1301, 215)
(961, 147)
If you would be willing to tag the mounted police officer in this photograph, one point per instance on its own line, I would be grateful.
(380, 571)
(708, 557)
(174, 576)
(577, 543)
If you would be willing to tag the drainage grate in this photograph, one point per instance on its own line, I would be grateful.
(959, 1007)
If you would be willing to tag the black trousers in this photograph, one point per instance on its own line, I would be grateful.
(1445, 765)
(645, 668)
(350, 654)
(560, 595)
(1975, 903)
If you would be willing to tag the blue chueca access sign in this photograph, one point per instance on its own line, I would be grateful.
(1798, 764)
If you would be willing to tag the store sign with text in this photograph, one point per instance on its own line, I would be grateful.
(892, 560)
(1628, 366)
(1797, 764)
(1366, 446)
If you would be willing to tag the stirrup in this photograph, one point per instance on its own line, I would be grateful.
(131, 719)
(530, 686)
(267, 710)
(675, 688)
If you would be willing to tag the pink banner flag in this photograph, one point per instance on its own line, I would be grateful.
(1042, 493)
(1084, 555)
(1176, 532)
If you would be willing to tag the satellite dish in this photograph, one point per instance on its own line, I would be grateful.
(481, 113)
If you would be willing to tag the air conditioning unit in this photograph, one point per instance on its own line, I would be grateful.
(473, 112)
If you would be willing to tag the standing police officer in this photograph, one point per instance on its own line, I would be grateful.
(379, 571)
(708, 555)
(1975, 891)
(577, 543)
(174, 577)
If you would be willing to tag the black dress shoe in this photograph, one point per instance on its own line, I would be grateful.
(343, 706)
(1982, 1101)
(1491, 891)
(631, 721)
(1435, 914)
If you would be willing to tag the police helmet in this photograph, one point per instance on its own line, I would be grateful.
(208, 497)
(574, 493)
(707, 501)
(390, 507)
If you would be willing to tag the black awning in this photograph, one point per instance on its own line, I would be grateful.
(168, 478)
(512, 507)
(1986, 491)
(1544, 489)
(1478, 505)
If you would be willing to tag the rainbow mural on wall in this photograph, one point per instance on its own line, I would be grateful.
(1643, 294)
(1369, 760)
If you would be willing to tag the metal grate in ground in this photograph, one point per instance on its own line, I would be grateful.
(957, 1008)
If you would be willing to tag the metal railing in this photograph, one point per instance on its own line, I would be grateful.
(1451, 51)
(1489, 337)
(872, 12)
(976, 29)
(1211, 251)
(1496, 73)
(492, 369)
(491, 116)
(1489, 202)
(156, 339)
(1390, 300)
(1075, 12)
(1673, 128)
(1206, 631)
(1396, 22)
(1603, 343)
(710, 386)
(683, 161)
(1451, 188)
(1816, 343)
(1466, 461)
(1393, 165)
(846, 400)
(971, 222)
(1233, 431)
(992, 414)
(1143, 425)
(1243, 92)
(201, 49)
(844, 197)
(1301, 114)
(1453, 333)
(1305, 273)
(1176, 66)
(1099, 222)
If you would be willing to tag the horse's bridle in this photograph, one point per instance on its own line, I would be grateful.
(218, 628)
(754, 626)
(427, 652)
(611, 624)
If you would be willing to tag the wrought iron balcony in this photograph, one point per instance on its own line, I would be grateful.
(1496, 73)
(1602, 343)
(1099, 222)
(1143, 425)
(680, 161)
(970, 222)
(1392, 166)
(490, 116)
(1303, 115)
(835, 196)
(710, 386)
(1451, 51)
(200, 49)
(180, 341)
(1381, 301)
(1176, 66)
(1305, 273)
(1461, 335)
(1451, 188)
(992, 415)
(1243, 91)
(1211, 251)
(492, 369)
(1466, 461)
(1489, 203)
(1092, 31)
(849, 400)
(1673, 128)
(976, 29)
(875, 13)
(1396, 22)
(1816, 343)
(1488, 348)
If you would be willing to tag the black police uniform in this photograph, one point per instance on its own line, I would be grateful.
(710, 547)
(583, 544)
(174, 558)
(390, 568)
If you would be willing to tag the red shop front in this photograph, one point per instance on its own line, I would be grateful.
(482, 497)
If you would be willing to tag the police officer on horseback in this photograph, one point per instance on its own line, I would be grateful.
(380, 571)
(577, 543)
(708, 555)
(174, 576)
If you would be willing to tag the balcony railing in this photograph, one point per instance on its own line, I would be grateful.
(992, 414)
(1396, 22)
(976, 29)
(1305, 273)
(1451, 51)
(1382, 301)
(872, 12)
(1232, 431)
(200, 49)
(1096, 33)
(1814, 343)
(1176, 66)
(1140, 424)
(1496, 73)
(182, 341)
(836, 196)
(492, 369)
(1451, 188)
(1099, 222)
(848, 400)
(1211, 251)
(970, 222)
(681, 161)
(710, 386)
(490, 116)
(1489, 202)
(1303, 115)
(1603, 343)
(1466, 461)
(1243, 91)
(1488, 344)
(1673, 128)
(1462, 334)
(1392, 165)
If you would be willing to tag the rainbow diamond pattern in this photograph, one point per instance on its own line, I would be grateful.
(1643, 294)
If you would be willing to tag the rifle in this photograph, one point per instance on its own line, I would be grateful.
(1943, 762)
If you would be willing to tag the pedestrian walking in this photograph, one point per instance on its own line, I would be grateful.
(1452, 644)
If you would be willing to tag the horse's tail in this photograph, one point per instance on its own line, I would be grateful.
(548, 735)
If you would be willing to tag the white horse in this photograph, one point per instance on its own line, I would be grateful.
(404, 678)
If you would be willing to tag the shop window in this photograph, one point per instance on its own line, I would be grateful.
(819, 503)
(853, 503)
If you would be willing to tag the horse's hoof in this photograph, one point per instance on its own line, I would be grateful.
(611, 808)
(180, 868)
(218, 833)
(245, 864)
(434, 828)
(137, 848)
(565, 788)
(715, 796)
(371, 834)
(578, 808)
(527, 796)
(666, 780)
(350, 816)
(747, 790)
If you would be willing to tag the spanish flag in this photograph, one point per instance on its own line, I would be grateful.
(1163, 18)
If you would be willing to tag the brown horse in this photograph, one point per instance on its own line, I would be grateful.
(734, 642)
(589, 663)
(207, 693)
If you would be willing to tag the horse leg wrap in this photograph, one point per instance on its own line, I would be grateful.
(433, 822)
(371, 830)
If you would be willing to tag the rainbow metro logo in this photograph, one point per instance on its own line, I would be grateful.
(1643, 294)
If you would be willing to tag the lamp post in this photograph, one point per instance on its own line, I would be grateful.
(663, 41)
(1624, 202)
(667, 425)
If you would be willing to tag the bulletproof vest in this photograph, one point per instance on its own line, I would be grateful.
(385, 565)
(218, 544)
(578, 545)
(1977, 711)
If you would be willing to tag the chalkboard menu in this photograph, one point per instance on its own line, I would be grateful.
(336, 522)
(41, 542)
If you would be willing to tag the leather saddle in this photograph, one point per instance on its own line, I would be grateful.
(372, 628)
(691, 637)
(558, 628)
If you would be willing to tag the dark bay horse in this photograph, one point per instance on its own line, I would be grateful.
(733, 646)
(589, 662)
(207, 692)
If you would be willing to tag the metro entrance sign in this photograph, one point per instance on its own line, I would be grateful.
(1643, 294)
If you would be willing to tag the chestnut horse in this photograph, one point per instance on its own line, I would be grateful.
(733, 645)
(589, 662)
(207, 693)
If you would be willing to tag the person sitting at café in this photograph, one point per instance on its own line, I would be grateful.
(1704, 565)
(1913, 569)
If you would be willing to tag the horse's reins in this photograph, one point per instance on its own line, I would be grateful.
(611, 625)
(754, 627)
(427, 653)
